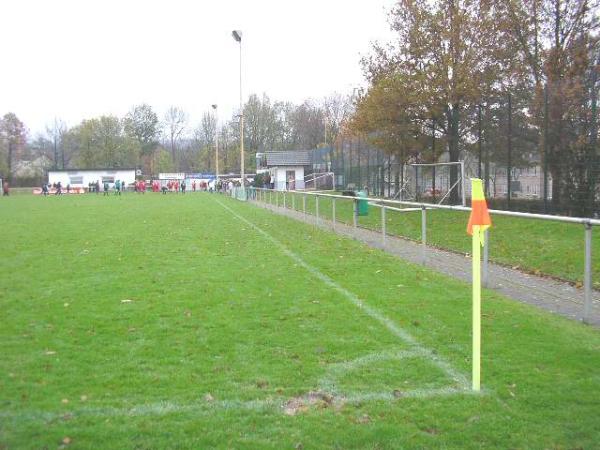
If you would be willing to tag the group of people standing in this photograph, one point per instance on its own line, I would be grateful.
(58, 189)
(174, 186)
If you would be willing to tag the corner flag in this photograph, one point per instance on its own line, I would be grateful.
(479, 221)
(479, 210)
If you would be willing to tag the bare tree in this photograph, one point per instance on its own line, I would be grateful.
(175, 122)
(56, 132)
(208, 131)
(337, 109)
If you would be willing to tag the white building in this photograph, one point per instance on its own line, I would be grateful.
(83, 177)
(285, 168)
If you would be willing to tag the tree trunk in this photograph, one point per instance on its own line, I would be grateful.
(397, 186)
(453, 118)
(9, 160)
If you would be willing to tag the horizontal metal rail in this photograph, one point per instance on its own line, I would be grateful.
(497, 212)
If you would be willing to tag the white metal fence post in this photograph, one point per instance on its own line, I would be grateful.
(423, 234)
(383, 232)
(333, 212)
(463, 183)
(587, 276)
(486, 257)
(304, 205)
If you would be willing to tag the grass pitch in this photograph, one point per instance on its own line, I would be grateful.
(197, 321)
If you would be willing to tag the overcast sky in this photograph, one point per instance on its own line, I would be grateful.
(82, 58)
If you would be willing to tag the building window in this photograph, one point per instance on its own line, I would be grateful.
(108, 179)
(76, 180)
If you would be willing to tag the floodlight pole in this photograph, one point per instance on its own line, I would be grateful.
(216, 146)
(237, 35)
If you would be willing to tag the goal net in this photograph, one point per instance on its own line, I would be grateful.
(322, 181)
(433, 183)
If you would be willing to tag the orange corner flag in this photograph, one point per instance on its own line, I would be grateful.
(479, 210)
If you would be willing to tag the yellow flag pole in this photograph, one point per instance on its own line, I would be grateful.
(476, 307)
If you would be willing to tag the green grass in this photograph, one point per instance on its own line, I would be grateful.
(223, 328)
(537, 246)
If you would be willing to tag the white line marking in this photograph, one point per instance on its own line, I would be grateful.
(370, 311)
(274, 404)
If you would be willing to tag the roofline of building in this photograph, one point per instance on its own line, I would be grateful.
(91, 170)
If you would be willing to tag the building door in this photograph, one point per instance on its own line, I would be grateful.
(290, 180)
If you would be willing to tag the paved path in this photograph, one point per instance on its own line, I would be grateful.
(555, 296)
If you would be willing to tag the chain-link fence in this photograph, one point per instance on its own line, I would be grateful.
(542, 158)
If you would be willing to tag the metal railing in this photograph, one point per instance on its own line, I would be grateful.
(260, 195)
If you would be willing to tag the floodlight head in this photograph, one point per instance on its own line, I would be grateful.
(237, 35)
(214, 106)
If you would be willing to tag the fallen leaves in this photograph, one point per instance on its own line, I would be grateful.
(302, 404)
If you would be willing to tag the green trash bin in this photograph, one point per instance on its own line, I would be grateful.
(363, 205)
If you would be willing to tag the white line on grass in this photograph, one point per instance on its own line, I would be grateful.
(274, 404)
(371, 312)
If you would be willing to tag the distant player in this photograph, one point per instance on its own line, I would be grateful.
(45, 189)
(194, 186)
(5, 189)
(105, 188)
(117, 187)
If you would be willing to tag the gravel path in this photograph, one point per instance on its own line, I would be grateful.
(555, 296)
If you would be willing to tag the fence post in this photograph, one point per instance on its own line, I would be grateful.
(317, 208)
(284, 197)
(383, 232)
(486, 254)
(423, 234)
(587, 276)
(355, 213)
(277, 198)
(304, 205)
(463, 183)
(293, 201)
(333, 212)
